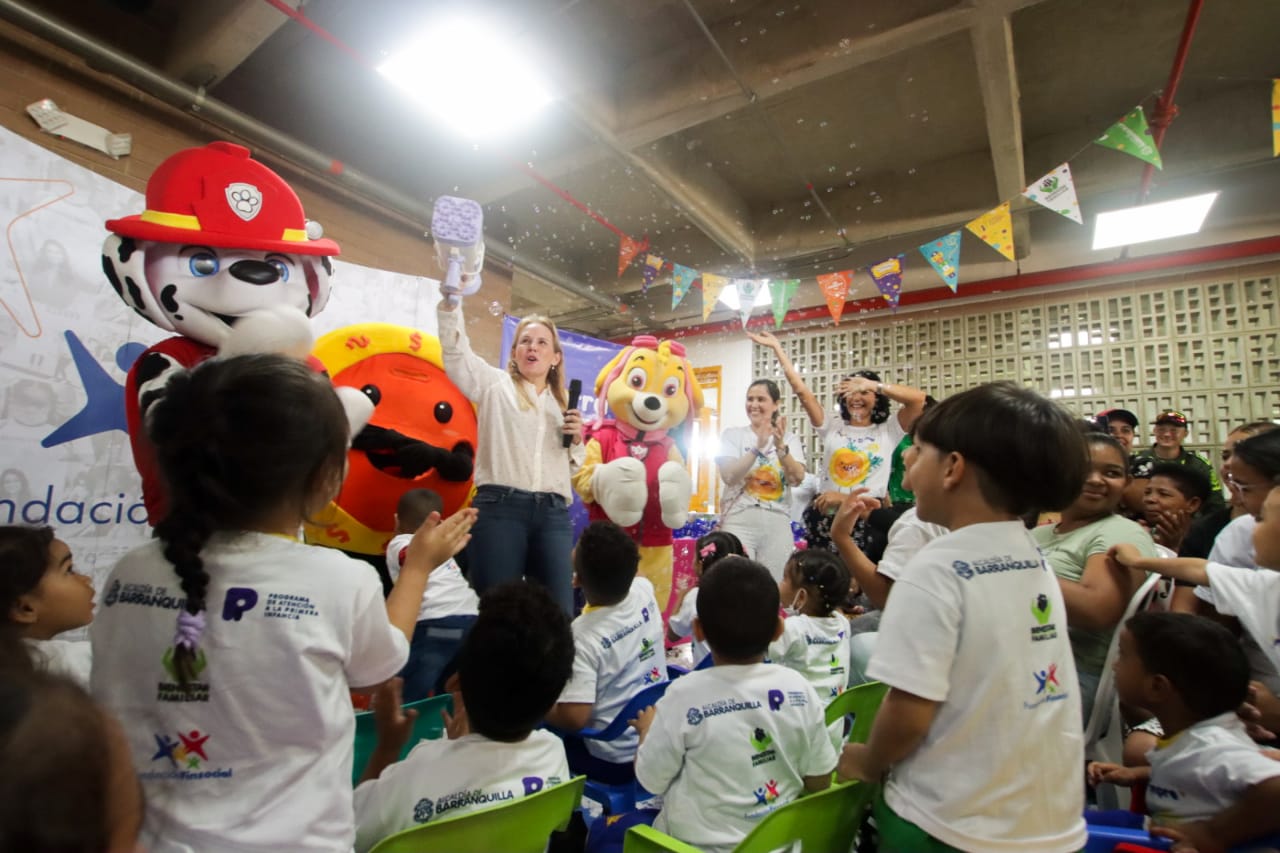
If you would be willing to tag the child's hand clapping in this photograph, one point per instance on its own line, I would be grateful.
(854, 506)
(436, 541)
(392, 722)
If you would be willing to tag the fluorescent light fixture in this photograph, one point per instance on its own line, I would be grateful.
(469, 74)
(729, 297)
(1148, 222)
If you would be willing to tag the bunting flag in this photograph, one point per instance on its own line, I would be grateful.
(1275, 118)
(628, 251)
(995, 228)
(747, 290)
(650, 269)
(1057, 192)
(1132, 136)
(712, 284)
(888, 277)
(682, 279)
(835, 287)
(781, 292)
(943, 255)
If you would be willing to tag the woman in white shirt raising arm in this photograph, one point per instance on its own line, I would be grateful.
(522, 460)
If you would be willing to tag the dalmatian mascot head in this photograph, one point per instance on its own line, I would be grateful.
(222, 237)
(224, 257)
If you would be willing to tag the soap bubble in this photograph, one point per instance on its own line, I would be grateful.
(495, 308)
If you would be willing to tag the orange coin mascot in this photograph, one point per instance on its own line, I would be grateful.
(422, 434)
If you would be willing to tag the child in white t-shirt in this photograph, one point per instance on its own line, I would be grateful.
(448, 606)
(708, 550)
(814, 639)
(618, 651)
(42, 596)
(1209, 786)
(979, 737)
(226, 647)
(1251, 595)
(512, 666)
(728, 745)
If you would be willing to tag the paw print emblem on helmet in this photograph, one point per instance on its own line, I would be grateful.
(244, 199)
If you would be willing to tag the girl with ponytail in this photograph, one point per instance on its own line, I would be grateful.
(815, 635)
(227, 647)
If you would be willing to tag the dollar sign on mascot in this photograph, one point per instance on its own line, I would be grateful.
(634, 474)
(224, 257)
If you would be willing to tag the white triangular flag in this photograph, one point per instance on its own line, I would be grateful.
(747, 290)
(1057, 192)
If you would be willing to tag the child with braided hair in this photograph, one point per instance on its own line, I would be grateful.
(815, 635)
(226, 647)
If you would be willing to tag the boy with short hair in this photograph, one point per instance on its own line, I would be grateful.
(511, 668)
(980, 733)
(1173, 495)
(727, 745)
(448, 604)
(1209, 785)
(618, 639)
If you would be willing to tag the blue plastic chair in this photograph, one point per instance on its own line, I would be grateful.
(616, 799)
(1103, 839)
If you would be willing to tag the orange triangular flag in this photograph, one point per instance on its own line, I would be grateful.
(628, 251)
(835, 287)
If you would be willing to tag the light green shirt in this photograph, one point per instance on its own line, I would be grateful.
(1068, 553)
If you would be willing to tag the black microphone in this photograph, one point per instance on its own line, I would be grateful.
(575, 391)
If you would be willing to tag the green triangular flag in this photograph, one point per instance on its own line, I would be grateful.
(781, 292)
(1132, 136)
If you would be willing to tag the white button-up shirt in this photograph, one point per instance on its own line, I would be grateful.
(519, 446)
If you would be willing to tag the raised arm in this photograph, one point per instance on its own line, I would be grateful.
(471, 373)
(910, 401)
(812, 407)
(855, 506)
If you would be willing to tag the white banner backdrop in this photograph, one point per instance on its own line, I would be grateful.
(66, 341)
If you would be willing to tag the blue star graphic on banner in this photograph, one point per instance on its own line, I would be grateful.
(104, 409)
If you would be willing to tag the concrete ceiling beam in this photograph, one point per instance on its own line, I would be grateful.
(215, 36)
(992, 37)
(716, 211)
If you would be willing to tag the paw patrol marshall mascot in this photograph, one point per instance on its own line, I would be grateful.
(634, 473)
(224, 257)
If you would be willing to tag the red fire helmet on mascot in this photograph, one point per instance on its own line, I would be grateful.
(218, 196)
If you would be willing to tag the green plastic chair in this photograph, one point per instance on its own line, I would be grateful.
(824, 822)
(428, 726)
(522, 826)
(863, 702)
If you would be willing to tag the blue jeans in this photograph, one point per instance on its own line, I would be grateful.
(522, 534)
(435, 644)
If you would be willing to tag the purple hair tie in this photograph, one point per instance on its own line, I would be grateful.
(190, 629)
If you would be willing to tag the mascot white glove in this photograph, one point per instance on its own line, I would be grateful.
(675, 488)
(620, 488)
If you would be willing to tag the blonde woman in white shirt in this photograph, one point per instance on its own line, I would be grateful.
(522, 463)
